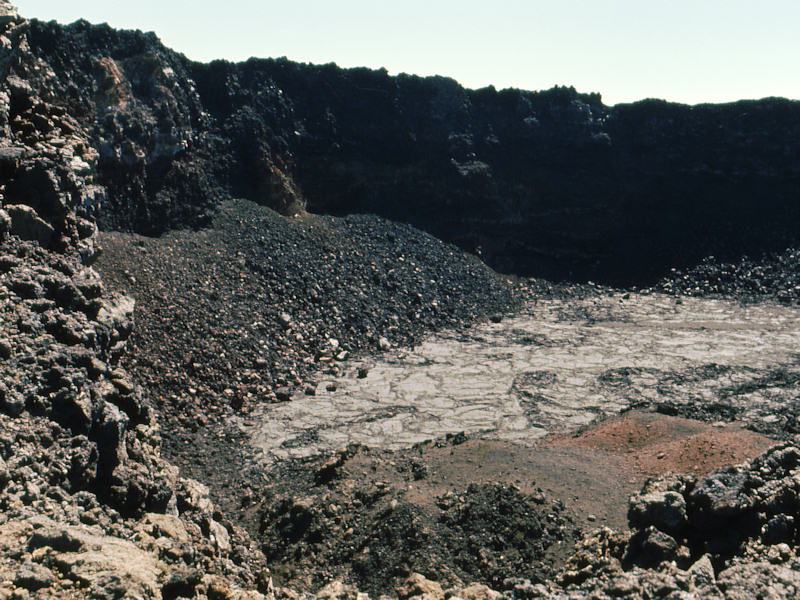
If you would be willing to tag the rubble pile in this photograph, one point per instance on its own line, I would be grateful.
(732, 534)
(775, 276)
(88, 508)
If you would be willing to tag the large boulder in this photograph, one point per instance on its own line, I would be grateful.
(664, 510)
(27, 225)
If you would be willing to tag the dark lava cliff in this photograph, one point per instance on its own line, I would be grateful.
(551, 183)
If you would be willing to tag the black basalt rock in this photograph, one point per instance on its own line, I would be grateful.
(552, 183)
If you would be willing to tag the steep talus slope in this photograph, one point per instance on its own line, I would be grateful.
(238, 314)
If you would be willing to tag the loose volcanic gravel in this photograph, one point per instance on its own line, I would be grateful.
(239, 314)
(774, 276)
(377, 517)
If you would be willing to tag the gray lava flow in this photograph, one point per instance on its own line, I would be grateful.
(558, 365)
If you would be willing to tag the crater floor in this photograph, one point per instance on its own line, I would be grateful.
(556, 366)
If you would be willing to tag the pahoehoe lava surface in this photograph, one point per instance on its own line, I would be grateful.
(558, 364)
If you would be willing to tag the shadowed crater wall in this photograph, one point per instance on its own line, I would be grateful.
(551, 183)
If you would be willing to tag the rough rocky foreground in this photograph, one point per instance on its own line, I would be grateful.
(98, 412)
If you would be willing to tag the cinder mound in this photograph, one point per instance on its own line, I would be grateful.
(771, 276)
(242, 312)
(375, 517)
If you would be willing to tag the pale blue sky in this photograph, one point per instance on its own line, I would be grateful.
(681, 50)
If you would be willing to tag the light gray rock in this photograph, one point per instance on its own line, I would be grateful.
(12, 154)
(89, 250)
(9, 13)
(90, 284)
(420, 587)
(26, 224)
(5, 223)
(194, 496)
(479, 591)
(336, 590)
(115, 320)
(219, 536)
(5, 476)
(170, 526)
(760, 580)
(33, 576)
(108, 566)
(664, 510)
(702, 571)
(116, 313)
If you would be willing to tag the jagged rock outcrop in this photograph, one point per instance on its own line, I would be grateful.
(732, 534)
(88, 506)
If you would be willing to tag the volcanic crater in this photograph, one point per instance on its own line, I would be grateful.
(283, 331)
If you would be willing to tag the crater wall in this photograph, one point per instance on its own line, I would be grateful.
(551, 183)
